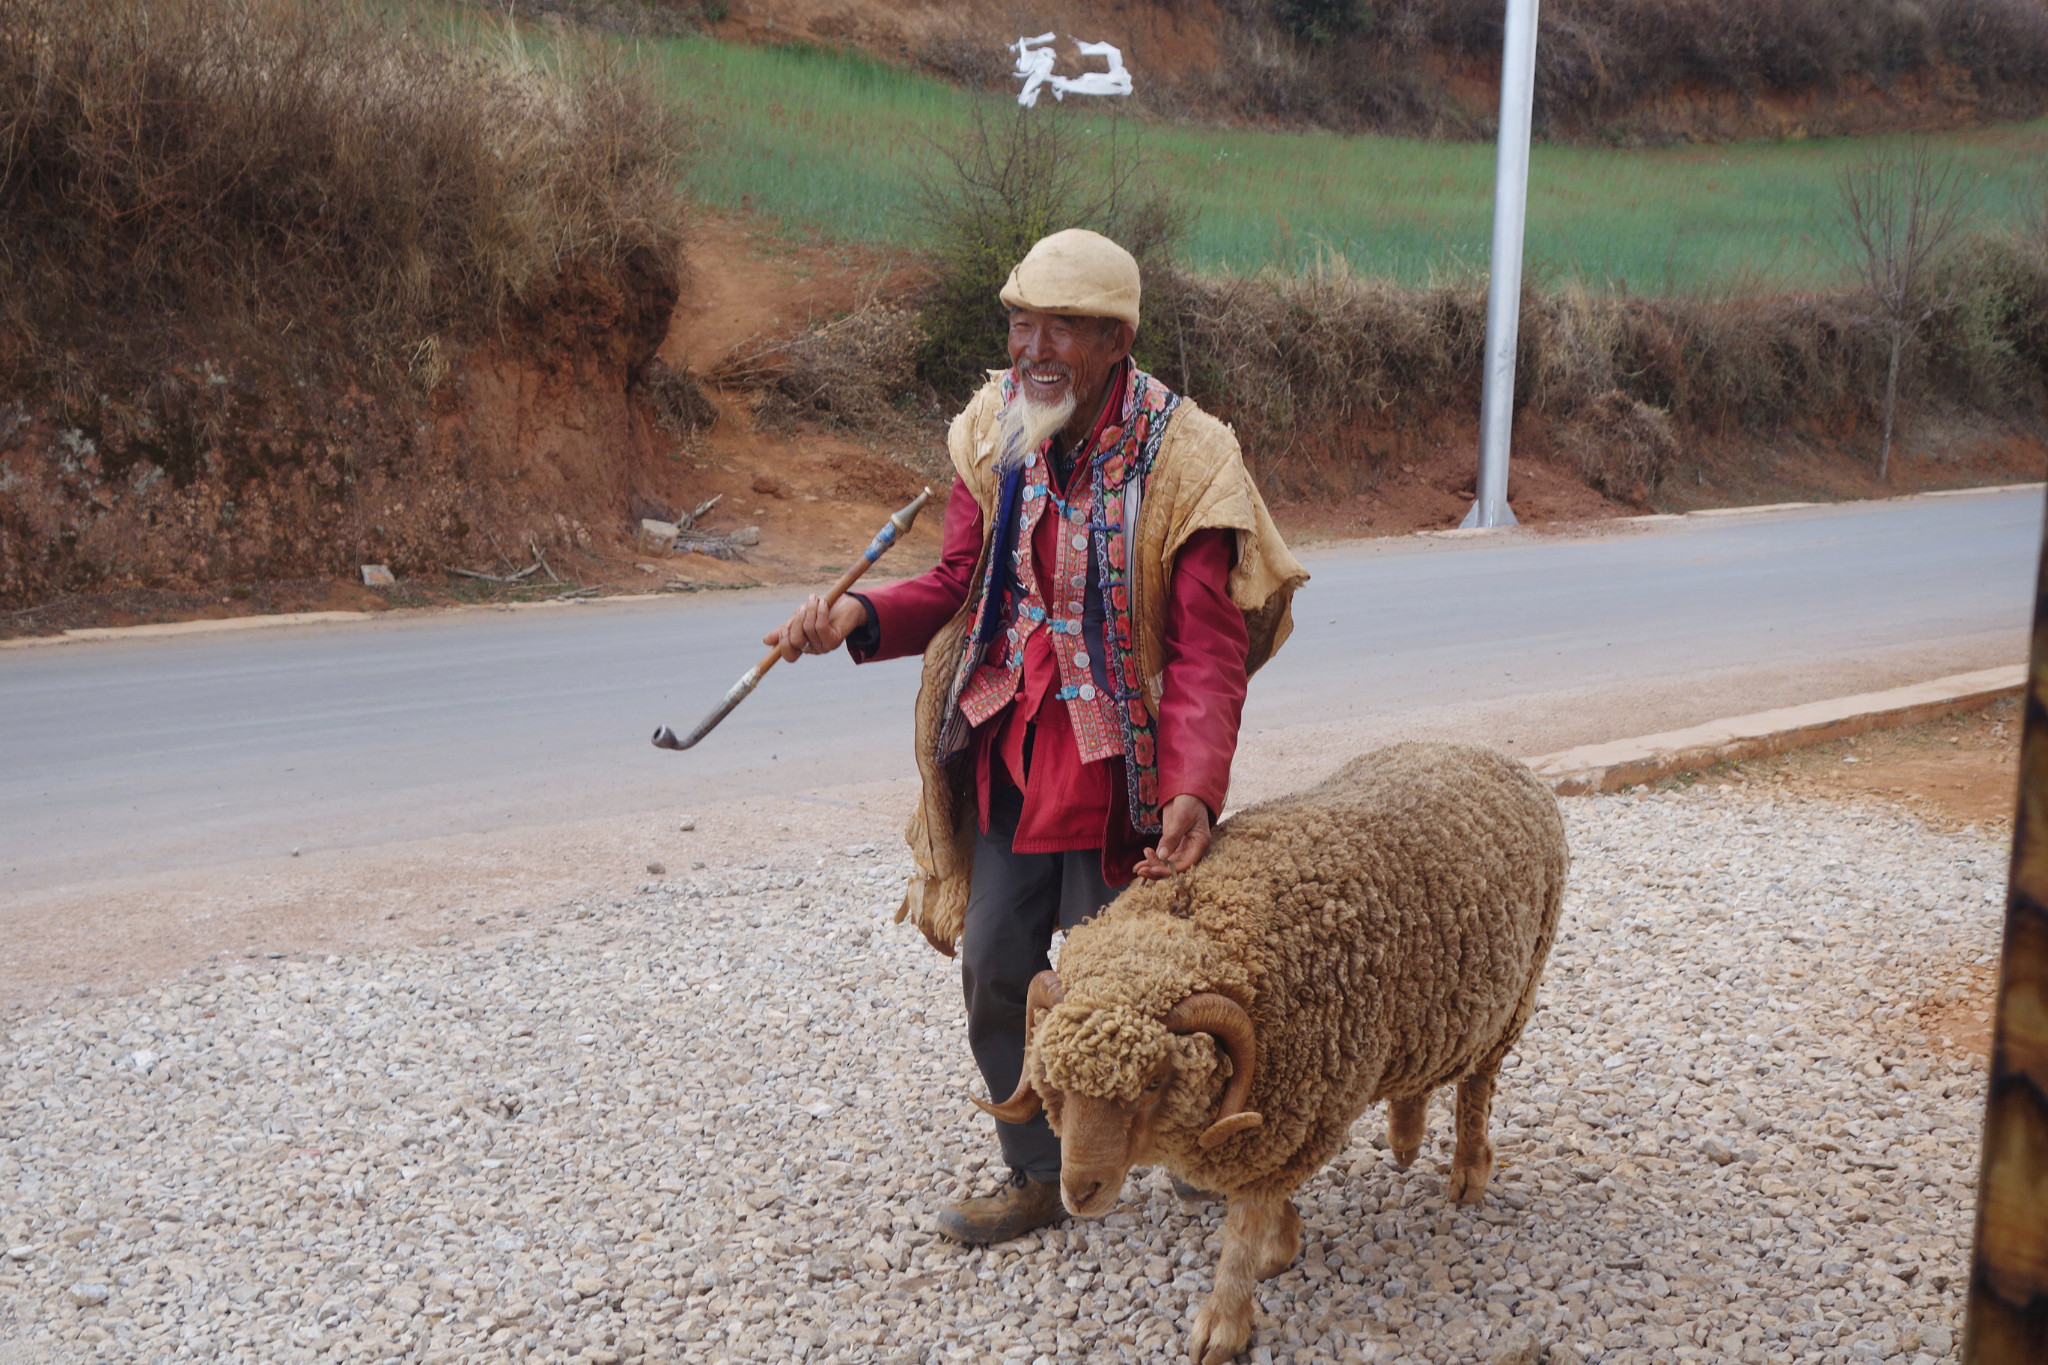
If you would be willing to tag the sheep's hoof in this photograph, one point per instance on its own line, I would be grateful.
(1468, 1183)
(1219, 1333)
(1404, 1157)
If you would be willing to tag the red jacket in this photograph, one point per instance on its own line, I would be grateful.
(1069, 804)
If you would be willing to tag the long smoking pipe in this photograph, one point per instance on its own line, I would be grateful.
(898, 526)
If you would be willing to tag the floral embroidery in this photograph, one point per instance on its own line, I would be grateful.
(986, 679)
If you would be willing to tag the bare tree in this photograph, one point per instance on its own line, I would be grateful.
(1902, 207)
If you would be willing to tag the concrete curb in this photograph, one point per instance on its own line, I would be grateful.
(1627, 762)
(211, 625)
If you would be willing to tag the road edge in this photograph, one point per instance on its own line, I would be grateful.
(210, 625)
(1607, 767)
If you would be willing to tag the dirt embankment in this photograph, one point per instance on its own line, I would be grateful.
(557, 436)
(564, 432)
(254, 464)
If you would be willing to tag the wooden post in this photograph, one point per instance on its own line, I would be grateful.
(2008, 1308)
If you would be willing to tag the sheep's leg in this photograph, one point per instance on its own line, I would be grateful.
(1472, 1163)
(1407, 1124)
(1261, 1238)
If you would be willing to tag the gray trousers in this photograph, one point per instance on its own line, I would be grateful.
(1017, 901)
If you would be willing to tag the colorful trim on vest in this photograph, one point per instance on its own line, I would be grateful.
(1119, 466)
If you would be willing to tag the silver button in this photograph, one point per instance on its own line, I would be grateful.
(1080, 542)
(1087, 692)
(1080, 658)
(1078, 581)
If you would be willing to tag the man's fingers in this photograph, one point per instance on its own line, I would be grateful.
(787, 638)
(813, 624)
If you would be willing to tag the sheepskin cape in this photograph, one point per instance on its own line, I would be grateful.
(1198, 482)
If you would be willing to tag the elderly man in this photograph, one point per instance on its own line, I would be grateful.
(1109, 580)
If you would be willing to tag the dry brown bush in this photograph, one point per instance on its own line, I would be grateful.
(1009, 180)
(1306, 367)
(245, 247)
(680, 405)
(1623, 447)
(300, 161)
(1302, 365)
(1294, 360)
(857, 372)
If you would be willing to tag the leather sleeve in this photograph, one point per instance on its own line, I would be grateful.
(907, 613)
(1202, 693)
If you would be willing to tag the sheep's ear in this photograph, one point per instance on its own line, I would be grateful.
(1224, 1129)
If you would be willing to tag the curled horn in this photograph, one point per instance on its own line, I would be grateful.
(1225, 1020)
(1044, 993)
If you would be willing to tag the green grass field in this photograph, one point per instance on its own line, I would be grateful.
(828, 144)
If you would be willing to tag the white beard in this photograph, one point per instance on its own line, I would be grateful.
(1026, 425)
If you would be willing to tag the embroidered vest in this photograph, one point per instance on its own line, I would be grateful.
(1007, 605)
(994, 684)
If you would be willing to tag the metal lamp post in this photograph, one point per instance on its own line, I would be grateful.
(1504, 286)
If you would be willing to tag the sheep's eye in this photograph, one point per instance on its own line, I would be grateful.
(1155, 1085)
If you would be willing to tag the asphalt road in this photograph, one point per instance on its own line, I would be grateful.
(121, 758)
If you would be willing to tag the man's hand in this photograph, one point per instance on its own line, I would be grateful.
(815, 629)
(1183, 838)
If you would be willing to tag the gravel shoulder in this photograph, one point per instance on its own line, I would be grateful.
(704, 1117)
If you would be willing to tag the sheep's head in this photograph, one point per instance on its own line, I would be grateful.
(1106, 1078)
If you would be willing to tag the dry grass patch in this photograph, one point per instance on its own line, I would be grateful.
(298, 163)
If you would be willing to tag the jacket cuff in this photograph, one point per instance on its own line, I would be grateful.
(865, 639)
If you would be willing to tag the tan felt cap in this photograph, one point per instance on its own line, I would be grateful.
(1079, 273)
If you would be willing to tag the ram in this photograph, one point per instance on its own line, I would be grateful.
(1371, 939)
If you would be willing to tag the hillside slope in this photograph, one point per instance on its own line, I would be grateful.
(1608, 70)
(290, 288)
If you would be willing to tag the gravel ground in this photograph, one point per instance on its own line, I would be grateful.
(707, 1122)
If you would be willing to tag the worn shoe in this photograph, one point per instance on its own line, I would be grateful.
(1020, 1205)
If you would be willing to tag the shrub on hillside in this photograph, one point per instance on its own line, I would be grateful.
(1303, 365)
(857, 372)
(1623, 446)
(1015, 178)
(295, 162)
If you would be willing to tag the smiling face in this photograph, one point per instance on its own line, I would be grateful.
(1060, 358)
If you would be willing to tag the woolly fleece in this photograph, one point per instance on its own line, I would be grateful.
(1385, 930)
